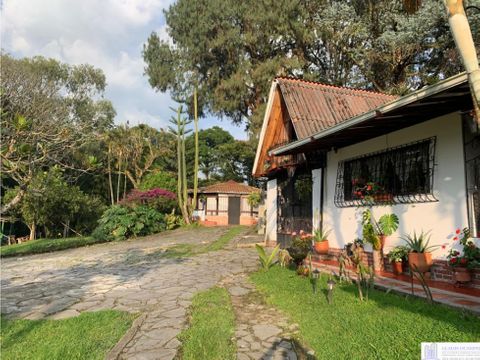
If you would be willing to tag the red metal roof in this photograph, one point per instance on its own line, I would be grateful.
(229, 187)
(314, 107)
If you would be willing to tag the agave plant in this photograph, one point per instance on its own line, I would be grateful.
(320, 235)
(419, 243)
(266, 260)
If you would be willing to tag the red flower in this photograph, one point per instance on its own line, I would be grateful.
(444, 246)
(463, 261)
(453, 260)
(455, 238)
(369, 187)
(458, 231)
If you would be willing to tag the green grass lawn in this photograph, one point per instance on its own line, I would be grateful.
(212, 327)
(88, 336)
(46, 245)
(388, 326)
(186, 250)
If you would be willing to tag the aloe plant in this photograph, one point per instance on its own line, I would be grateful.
(320, 235)
(266, 260)
(419, 243)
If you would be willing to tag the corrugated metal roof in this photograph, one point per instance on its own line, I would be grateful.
(229, 187)
(314, 107)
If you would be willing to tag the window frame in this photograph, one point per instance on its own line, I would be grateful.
(401, 163)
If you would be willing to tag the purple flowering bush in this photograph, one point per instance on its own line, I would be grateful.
(161, 200)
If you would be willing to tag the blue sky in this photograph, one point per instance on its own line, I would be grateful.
(108, 34)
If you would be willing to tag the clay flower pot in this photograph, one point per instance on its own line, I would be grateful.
(383, 239)
(462, 274)
(420, 261)
(397, 267)
(321, 247)
(377, 261)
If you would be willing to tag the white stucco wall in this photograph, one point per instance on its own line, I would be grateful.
(271, 213)
(316, 197)
(441, 217)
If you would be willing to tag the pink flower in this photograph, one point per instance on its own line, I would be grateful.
(294, 233)
(455, 238)
(302, 232)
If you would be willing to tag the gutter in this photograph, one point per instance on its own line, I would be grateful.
(384, 109)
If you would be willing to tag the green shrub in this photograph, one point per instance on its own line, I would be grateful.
(119, 222)
(301, 246)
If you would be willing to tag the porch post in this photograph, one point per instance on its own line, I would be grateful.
(271, 213)
(316, 198)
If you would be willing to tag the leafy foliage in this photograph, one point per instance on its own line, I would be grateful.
(232, 50)
(123, 222)
(388, 224)
(159, 179)
(398, 254)
(266, 260)
(299, 248)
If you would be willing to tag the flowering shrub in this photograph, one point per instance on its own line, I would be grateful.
(162, 200)
(470, 256)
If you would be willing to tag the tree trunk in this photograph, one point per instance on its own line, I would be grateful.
(119, 177)
(125, 185)
(110, 183)
(5, 208)
(66, 227)
(195, 170)
(33, 230)
(185, 193)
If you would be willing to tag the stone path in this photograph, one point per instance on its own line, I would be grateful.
(261, 331)
(131, 276)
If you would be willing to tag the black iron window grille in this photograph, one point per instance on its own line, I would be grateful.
(398, 175)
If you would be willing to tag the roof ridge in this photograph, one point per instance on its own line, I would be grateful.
(370, 92)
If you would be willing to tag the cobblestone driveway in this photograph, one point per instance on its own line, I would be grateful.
(130, 276)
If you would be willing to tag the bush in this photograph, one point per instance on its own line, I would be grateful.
(162, 200)
(159, 179)
(120, 222)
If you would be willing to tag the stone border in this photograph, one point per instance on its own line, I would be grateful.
(115, 352)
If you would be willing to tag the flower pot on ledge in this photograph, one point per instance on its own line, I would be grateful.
(397, 267)
(462, 274)
(321, 247)
(421, 262)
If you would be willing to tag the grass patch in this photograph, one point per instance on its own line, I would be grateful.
(88, 336)
(212, 327)
(46, 245)
(187, 250)
(388, 326)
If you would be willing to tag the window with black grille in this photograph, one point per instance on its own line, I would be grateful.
(402, 174)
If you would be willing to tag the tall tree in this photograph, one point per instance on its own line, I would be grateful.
(233, 49)
(44, 117)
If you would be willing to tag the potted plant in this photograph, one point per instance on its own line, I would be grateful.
(397, 256)
(462, 264)
(320, 238)
(375, 233)
(300, 247)
(419, 256)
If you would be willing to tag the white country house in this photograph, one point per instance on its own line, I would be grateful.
(423, 150)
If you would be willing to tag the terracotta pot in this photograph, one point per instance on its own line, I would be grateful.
(377, 261)
(420, 261)
(321, 247)
(397, 267)
(383, 239)
(462, 274)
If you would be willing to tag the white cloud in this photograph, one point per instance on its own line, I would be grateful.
(108, 34)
